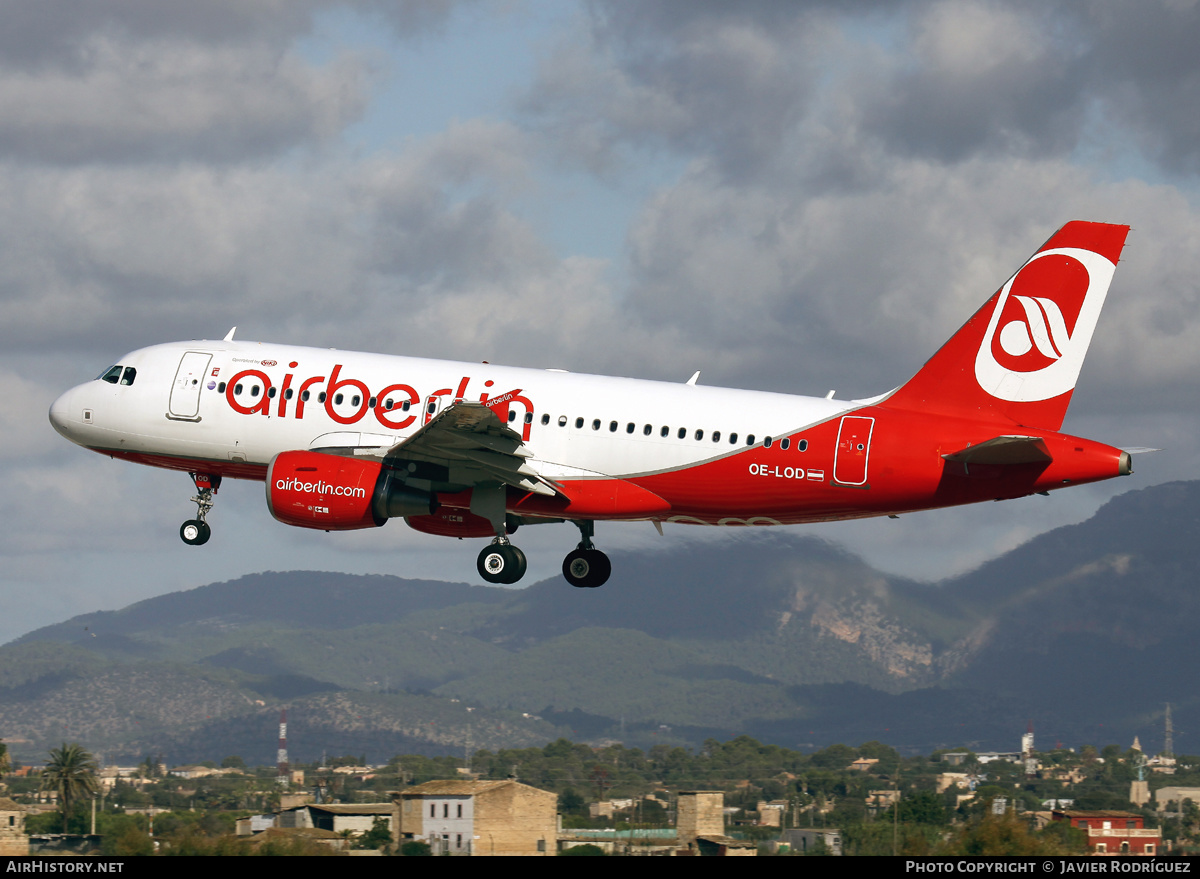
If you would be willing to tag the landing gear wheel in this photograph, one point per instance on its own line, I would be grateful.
(194, 532)
(501, 563)
(586, 568)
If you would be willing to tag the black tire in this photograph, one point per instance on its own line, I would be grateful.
(586, 568)
(501, 563)
(520, 566)
(193, 532)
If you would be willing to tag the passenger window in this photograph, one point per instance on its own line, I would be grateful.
(767, 442)
(131, 374)
(784, 443)
(355, 400)
(254, 389)
(512, 415)
(699, 434)
(237, 389)
(388, 404)
(529, 418)
(596, 424)
(221, 388)
(304, 395)
(716, 436)
(546, 418)
(629, 427)
(733, 439)
(612, 427)
(337, 399)
(647, 430)
(404, 407)
(287, 395)
(271, 392)
(112, 376)
(683, 433)
(321, 397)
(666, 431)
(578, 423)
(802, 446)
(562, 421)
(750, 439)
(370, 403)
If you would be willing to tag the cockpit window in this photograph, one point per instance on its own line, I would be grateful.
(129, 376)
(112, 376)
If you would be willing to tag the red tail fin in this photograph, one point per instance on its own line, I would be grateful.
(1018, 358)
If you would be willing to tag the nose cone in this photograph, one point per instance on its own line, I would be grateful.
(63, 414)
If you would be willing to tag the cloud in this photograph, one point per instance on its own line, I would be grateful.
(174, 99)
(977, 77)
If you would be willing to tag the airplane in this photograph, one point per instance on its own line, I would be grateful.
(346, 440)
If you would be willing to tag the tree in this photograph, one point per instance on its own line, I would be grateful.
(72, 773)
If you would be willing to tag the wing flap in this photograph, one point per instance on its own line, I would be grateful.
(472, 435)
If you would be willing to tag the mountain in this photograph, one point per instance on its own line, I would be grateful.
(1085, 629)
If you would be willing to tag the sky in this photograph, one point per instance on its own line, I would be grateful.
(792, 197)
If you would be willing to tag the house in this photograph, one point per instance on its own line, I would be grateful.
(1112, 832)
(466, 817)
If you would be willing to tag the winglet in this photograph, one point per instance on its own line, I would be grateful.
(229, 335)
(692, 381)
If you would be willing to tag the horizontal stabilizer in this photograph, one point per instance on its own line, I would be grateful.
(1004, 450)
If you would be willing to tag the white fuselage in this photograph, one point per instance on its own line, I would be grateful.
(246, 407)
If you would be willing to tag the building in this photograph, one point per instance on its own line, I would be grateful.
(1164, 796)
(462, 817)
(700, 826)
(804, 840)
(770, 814)
(336, 817)
(14, 842)
(1114, 832)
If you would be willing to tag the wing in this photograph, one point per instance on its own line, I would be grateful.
(470, 436)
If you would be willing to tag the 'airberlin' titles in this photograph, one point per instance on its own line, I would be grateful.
(395, 406)
(321, 487)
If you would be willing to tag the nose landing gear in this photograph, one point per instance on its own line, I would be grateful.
(195, 532)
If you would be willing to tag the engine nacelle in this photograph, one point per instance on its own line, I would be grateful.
(338, 493)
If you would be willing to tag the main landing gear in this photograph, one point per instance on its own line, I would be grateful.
(584, 567)
(195, 532)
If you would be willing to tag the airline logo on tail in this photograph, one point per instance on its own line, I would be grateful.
(1042, 325)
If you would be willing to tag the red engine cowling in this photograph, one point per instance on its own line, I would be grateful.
(330, 492)
(448, 522)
